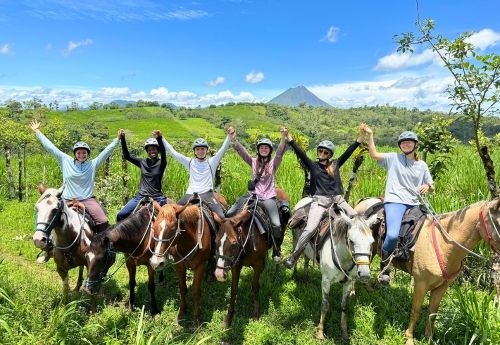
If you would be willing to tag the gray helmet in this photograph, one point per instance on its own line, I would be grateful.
(81, 145)
(200, 142)
(326, 144)
(150, 142)
(264, 141)
(407, 135)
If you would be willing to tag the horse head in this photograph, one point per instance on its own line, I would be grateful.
(229, 243)
(48, 209)
(490, 223)
(100, 257)
(359, 242)
(165, 230)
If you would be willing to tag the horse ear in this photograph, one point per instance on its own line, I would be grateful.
(59, 191)
(41, 188)
(345, 217)
(498, 204)
(105, 241)
(372, 220)
(156, 206)
(217, 219)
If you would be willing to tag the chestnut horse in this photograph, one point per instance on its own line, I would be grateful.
(183, 232)
(69, 231)
(131, 236)
(239, 243)
(443, 243)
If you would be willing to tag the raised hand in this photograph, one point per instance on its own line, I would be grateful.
(232, 133)
(35, 125)
(156, 133)
(121, 134)
(284, 132)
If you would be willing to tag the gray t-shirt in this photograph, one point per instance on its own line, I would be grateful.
(403, 178)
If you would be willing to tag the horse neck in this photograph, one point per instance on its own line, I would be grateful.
(68, 227)
(341, 250)
(188, 236)
(464, 226)
(137, 244)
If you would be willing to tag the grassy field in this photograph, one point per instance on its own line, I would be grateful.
(30, 294)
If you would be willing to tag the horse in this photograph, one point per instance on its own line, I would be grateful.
(131, 236)
(183, 232)
(239, 243)
(443, 243)
(70, 234)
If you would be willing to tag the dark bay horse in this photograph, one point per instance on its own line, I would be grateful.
(69, 232)
(184, 233)
(239, 243)
(443, 243)
(132, 237)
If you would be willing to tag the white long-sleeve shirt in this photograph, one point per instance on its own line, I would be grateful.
(201, 172)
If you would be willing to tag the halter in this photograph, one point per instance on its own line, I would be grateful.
(51, 224)
(489, 235)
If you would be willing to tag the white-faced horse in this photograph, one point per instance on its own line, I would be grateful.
(344, 257)
(68, 231)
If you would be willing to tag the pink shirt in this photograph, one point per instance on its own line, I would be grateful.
(265, 187)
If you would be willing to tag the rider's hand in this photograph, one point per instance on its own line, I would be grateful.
(35, 125)
(121, 134)
(232, 133)
(156, 133)
(422, 189)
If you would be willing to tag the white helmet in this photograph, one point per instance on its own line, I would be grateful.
(150, 142)
(81, 145)
(264, 141)
(407, 135)
(326, 144)
(200, 142)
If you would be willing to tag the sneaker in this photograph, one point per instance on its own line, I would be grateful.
(290, 262)
(277, 259)
(43, 258)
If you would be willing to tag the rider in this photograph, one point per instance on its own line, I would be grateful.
(201, 172)
(78, 176)
(326, 188)
(264, 168)
(152, 170)
(407, 176)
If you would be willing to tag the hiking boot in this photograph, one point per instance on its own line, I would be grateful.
(277, 255)
(384, 279)
(292, 259)
(384, 276)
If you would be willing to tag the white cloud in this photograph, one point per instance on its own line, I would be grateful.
(484, 39)
(254, 78)
(333, 34)
(217, 81)
(6, 49)
(72, 45)
(397, 61)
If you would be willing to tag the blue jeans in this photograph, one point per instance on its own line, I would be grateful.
(394, 213)
(132, 204)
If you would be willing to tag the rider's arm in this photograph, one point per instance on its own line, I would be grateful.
(126, 153)
(176, 155)
(163, 154)
(105, 153)
(372, 149)
(240, 149)
(301, 154)
(347, 153)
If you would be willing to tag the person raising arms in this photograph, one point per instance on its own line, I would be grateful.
(326, 188)
(407, 177)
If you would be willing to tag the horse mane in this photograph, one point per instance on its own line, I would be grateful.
(340, 228)
(131, 228)
(190, 216)
(461, 212)
(167, 212)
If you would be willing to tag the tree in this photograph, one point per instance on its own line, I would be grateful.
(475, 91)
(15, 109)
(435, 138)
(33, 103)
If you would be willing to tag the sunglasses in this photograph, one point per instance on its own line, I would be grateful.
(326, 152)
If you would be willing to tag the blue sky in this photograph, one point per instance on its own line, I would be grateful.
(211, 52)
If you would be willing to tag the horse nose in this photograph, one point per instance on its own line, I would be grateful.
(157, 263)
(40, 240)
(364, 273)
(220, 274)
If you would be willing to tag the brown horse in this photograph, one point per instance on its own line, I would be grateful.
(132, 237)
(184, 233)
(443, 243)
(239, 243)
(69, 232)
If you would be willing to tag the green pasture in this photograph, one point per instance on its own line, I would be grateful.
(30, 294)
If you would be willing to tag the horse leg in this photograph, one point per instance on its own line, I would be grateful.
(235, 272)
(436, 296)
(65, 281)
(180, 269)
(419, 291)
(132, 269)
(325, 293)
(80, 279)
(257, 269)
(347, 292)
(199, 272)
(151, 288)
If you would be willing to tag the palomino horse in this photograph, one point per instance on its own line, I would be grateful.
(344, 256)
(70, 234)
(239, 243)
(184, 233)
(131, 236)
(443, 243)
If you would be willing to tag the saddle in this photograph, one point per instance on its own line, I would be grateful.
(80, 209)
(411, 224)
(299, 219)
